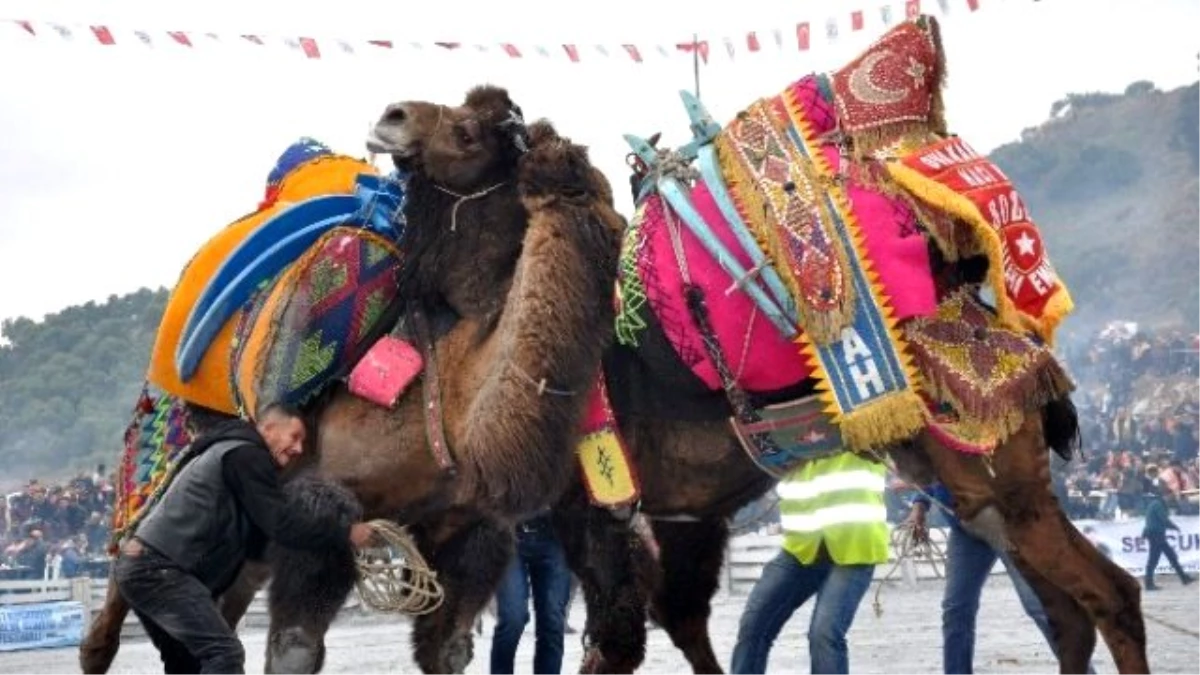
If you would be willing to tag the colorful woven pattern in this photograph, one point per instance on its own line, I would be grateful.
(778, 196)
(990, 376)
(154, 445)
(318, 319)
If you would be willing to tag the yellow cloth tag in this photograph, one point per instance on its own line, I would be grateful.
(606, 471)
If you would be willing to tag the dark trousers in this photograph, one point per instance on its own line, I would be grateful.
(1159, 546)
(179, 614)
(539, 568)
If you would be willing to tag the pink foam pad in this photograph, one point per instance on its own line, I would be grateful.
(386, 371)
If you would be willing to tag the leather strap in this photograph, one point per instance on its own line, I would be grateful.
(435, 429)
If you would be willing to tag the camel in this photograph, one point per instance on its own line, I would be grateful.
(511, 263)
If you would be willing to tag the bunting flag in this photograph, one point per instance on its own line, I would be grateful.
(312, 47)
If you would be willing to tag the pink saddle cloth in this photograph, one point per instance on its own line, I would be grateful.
(757, 353)
(386, 371)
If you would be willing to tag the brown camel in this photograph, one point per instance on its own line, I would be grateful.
(511, 259)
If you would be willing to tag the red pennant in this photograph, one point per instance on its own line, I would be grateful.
(912, 9)
(448, 45)
(511, 50)
(973, 4)
(311, 50)
(253, 38)
(180, 37)
(386, 44)
(633, 52)
(752, 42)
(572, 53)
(27, 26)
(103, 35)
(856, 20)
(802, 36)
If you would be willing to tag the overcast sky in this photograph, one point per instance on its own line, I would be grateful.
(117, 162)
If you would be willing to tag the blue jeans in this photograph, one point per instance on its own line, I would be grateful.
(968, 562)
(784, 586)
(540, 566)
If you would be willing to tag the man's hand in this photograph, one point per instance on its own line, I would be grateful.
(916, 520)
(361, 534)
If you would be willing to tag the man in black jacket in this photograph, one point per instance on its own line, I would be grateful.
(224, 502)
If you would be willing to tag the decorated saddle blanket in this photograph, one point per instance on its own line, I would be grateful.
(299, 286)
(156, 441)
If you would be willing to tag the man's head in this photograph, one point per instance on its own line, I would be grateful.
(282, 427)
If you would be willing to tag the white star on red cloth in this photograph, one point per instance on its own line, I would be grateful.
(1025, 244)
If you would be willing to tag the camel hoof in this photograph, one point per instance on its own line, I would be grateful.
(459, 654)
(293, 650)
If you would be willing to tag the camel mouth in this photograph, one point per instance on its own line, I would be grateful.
(397, 147)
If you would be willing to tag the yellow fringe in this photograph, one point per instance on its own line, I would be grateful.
(886, 420)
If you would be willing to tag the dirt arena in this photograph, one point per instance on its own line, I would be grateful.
(905, 639)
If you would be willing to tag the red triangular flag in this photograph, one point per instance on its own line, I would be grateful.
(253, 38)
(973, 4)
(752, 42)
(180, 37)
(912, 9)
(572, 53)
(103, 35)
(386, 44)
(802, 37)
(511, 50)
(856, 20)
(633, 52)
(26, 25)
(311, 50)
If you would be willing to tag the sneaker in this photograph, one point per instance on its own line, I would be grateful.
(1187, 579)
(1151, 587)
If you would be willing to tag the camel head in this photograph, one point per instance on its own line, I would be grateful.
(466, 148)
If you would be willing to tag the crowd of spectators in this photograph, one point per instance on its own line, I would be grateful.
(56, 530)
(1139, 414)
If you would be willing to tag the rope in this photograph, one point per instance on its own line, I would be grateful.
(462, 199)
(394, 577)
(907, 547)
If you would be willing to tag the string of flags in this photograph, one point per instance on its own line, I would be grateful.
(797, 38)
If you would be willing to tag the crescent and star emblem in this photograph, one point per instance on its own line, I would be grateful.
(864, 88)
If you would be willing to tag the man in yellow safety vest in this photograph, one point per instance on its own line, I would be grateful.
(835, 532)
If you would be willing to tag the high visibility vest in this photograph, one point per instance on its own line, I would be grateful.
(837, 501)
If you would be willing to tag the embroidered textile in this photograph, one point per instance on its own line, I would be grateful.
(608, 471)
(155, 441)
(952, 177)
(318, 319)
(989, 375)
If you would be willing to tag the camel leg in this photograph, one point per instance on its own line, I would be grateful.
(1073, 630)
(234, 602)
(307, 591)
(613, 569)
(470, 563)
(308, 588)
(1050, 544)
(103, 639)
(690, 555)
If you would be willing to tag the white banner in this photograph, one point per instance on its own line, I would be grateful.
(1122, 541)
(50, 624)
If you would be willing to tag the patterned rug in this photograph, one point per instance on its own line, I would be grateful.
(986, 376)
(317, 320)
(155, 443)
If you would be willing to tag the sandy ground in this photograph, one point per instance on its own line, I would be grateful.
(905, 639)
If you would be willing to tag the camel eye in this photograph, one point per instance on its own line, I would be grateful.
(462, 137)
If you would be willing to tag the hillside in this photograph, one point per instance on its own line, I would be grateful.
(68, 384)
(1112, 181)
